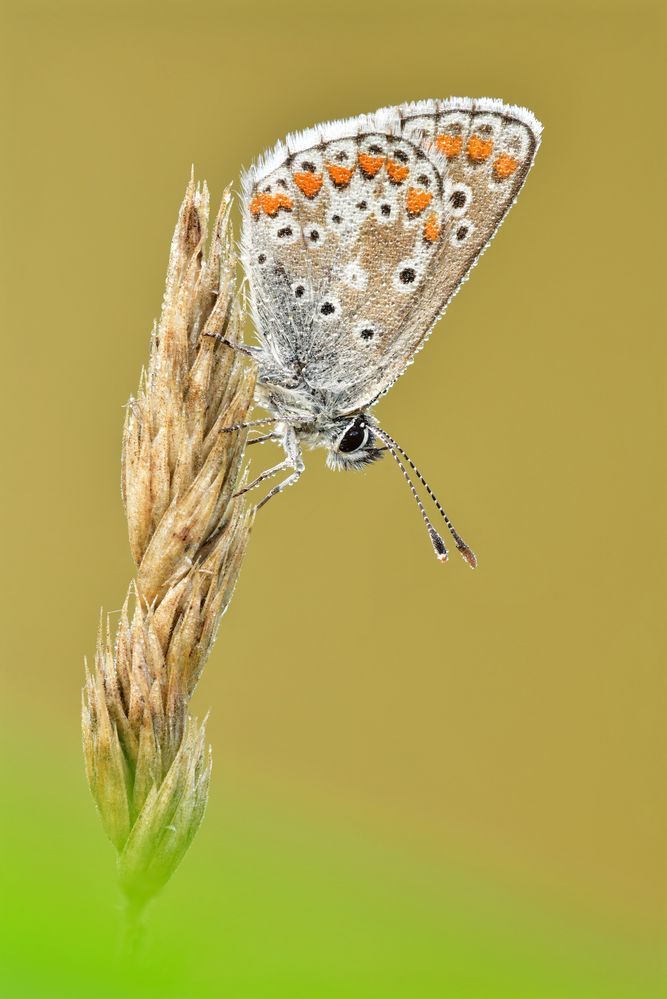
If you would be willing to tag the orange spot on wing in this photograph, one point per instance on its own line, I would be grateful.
(432, 228)
(450, 145)
(370, 165)
(479, 149)
(309, 183)
(397, 173)
(504, 166)
(416, 200)
(270, 204)
(277, 202)
(340, 175)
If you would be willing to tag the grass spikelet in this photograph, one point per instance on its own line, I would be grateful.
(147, 760)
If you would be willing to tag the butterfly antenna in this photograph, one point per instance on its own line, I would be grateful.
(438, 544)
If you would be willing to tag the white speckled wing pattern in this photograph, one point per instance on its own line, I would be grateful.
(357, 234)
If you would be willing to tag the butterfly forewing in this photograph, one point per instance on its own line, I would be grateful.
(358, 233)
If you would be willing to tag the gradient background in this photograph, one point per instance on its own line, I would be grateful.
(428, 782)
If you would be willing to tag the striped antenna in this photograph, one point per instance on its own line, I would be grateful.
(438, 544)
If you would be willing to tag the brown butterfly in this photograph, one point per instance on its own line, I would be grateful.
(356, 235)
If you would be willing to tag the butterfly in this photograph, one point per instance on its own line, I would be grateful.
(356, 235)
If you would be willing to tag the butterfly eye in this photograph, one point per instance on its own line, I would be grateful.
(355, 437)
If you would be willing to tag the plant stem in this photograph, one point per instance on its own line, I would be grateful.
(133, 928)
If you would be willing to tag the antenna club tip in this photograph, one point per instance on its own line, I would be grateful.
(439, 546)
(469, 555)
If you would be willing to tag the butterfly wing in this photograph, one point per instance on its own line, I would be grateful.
(358, 233)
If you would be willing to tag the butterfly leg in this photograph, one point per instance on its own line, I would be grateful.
(268, 474)
(273, 436)
(289, 481)
(242, 348)
(247, 424)
(293, 461)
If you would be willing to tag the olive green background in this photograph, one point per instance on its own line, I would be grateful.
(428, 782)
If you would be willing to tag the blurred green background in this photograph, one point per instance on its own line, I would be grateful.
(428, 782)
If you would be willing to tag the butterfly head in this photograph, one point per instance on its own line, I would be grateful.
(351, 443)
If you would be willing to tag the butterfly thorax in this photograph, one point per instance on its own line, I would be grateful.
(292, 401)
(313, 419)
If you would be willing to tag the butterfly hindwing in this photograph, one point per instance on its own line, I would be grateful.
(357, 234)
